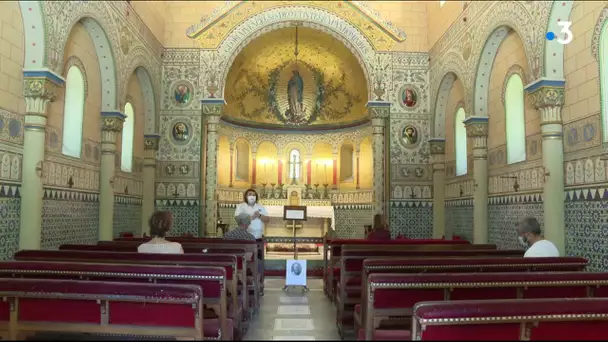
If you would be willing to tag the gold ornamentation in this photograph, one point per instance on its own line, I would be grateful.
(113, 124)
(477, 130)
(39, 87)
(548, 97)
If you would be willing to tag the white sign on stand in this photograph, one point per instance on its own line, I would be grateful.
(295, 273)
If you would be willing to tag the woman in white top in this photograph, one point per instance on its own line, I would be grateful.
(251, 207)
(160, 223)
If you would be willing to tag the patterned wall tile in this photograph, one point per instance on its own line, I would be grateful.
(9, 226)
(69, 222)
(186, 218)
(459, 220)
(502, 219)
(587, 232)
(127, 218)
(413, 221)
(350, 221)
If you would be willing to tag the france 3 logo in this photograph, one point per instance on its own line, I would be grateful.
(566, 33)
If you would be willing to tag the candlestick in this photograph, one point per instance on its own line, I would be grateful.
(325, 173)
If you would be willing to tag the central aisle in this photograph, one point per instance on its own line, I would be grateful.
(293, 314)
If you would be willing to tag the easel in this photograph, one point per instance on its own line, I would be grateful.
(294, 213)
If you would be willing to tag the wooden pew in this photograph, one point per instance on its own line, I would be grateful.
(351, 291)
(454, 263)
(573, 319)
(212, 281)
(255, 247)
(418, 246)
(72, 306)
(333, 247)
(229, 262)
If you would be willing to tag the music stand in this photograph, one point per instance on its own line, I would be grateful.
(294, 213)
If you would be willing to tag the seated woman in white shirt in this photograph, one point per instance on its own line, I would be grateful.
(251, 207)
(160, 223)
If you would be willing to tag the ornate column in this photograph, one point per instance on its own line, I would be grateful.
(549, 99)
(231, 165)
(379, 112)
(477, 130)
(39, 90)
(149, 186)
(212, 109)
(438, 163)
(357, 155)
(111, 126)
(334, 184)
(279, 169)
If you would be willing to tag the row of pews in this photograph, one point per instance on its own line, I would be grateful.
(211, 292)
(454, 290)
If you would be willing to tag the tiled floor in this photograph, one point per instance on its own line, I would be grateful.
(294, 315)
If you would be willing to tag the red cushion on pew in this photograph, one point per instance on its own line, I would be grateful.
(386, 335)
(148, 314)
(37, 310)
(211, 328)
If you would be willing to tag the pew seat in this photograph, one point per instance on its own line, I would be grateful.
(572, 319)
(386, 335)
(74, 306)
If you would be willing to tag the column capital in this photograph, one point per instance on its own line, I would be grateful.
(477, 126)
(213, 107)
(437, 146)
(40, 88)
(112, 121)
(549, 98)
(151, 141)
(378, 109)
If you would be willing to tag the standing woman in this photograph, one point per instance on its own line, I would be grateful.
(259, 215)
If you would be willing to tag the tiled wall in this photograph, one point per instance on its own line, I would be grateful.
(412, 219)
(186, 217)
(127, 216)
(69, 222)
(459, 220)
(350, 220)
(587, 232)
(502, 219)
(9, 226)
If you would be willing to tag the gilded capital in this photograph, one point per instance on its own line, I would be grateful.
(112, 121)
(41, 84)
(151, 141)
(547, 93)
(213, 107)
(378, 109)
(477, 126)
(437, 145)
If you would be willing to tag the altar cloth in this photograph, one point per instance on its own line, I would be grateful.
(311, 211)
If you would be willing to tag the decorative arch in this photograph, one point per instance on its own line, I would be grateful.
(138, 64)
(441, 103)
(105, 55)
(128, 133)
(75, 61)
(281, 17)
(460, 142)
(600, 25)
(34, 32)
(553, 67)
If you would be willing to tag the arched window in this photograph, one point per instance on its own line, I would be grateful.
(346, 163)
(242, 161)
(515, 120)
(460, 142)
(603, 60)
(294, 164)
(73, 113)
(128, 130)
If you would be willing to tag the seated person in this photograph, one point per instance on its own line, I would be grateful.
(240, 232)
(160, 223)
(530, 236)
(380, 231)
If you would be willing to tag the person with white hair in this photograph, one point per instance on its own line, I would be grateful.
(243, 221)
(530, 236)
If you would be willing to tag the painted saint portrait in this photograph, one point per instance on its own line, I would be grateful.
(296, 268)
(295, 98)
(182, 94)
(409, 97)
(410, 135)
(181, 131)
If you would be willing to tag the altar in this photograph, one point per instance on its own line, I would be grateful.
(310, 233)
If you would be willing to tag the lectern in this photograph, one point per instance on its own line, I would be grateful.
(293, 278)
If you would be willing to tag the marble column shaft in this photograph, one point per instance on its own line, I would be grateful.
(477, 130)
(149, 175)
(548, 99)
(111, 127)
(379, 112)
(438, 164)
(38, 91)
(212, 110)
